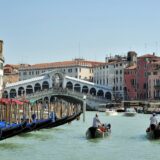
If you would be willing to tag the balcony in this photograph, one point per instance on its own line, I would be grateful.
(157, 86)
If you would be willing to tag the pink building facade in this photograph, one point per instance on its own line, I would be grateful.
(144, 68)
(130, 83)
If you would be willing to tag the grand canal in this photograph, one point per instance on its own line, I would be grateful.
(127, 142)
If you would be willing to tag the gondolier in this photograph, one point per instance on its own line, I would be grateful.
(96, 121)
(153, 121)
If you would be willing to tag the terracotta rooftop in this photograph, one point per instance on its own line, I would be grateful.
(62, 64)
(148, 56)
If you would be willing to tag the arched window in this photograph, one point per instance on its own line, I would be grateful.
(29, 89)
(69, 85)
(100, 93)
(37, 87)
(13, 93)
(45, 85)
(21, 91)
(93, 91)
(108, 95)
(77, 87)
(85, 89)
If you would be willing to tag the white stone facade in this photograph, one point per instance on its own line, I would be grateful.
(77, 69)
(111, 74)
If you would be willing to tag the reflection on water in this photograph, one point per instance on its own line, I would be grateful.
(5, 145)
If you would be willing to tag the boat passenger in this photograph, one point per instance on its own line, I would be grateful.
(153, 121)
(103, 128)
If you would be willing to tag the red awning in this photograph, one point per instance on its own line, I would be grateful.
(10, 101)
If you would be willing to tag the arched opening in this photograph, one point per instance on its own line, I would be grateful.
(108, 95)
(85, 89)
(100, 93)
(21, 91)
(93, 91)
(69, 85)
(37, 87)
(13, 93)
(77, 87)
(52, 99)
(5, 94)
(45, 85)
(46, 99)
(29, 89)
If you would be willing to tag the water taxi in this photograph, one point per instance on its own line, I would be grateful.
(130, 112)
(111, 112)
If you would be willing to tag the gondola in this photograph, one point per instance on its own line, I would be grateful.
(153, 133)
(98, 132)
(10, 130)
(64, 120)
(37, 125)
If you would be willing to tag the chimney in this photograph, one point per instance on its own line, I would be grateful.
(153, 53)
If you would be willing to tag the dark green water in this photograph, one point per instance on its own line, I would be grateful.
(127, 142)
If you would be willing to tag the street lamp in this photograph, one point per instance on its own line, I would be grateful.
(84, 107)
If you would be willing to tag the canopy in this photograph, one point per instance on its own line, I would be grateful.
(10, 101)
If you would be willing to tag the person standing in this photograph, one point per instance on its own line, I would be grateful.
(153, 121)
(96, 121)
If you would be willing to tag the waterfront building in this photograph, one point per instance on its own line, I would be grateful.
(130, 90)
(77, 68)
(144, 68)
(11, 73)
(154, 81)
(112, 73)
(1, 67)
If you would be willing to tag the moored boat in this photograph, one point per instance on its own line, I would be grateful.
(10, 130)
(111, 112)
(99, 132)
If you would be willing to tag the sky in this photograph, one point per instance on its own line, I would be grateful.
(40, 31)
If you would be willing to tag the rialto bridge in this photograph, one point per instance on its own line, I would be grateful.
(50, 82)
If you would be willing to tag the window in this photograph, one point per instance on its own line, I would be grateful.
(120, 71)
(79, 69)
(69, 70)
(24, 73)
(76, 69)
(145, 74)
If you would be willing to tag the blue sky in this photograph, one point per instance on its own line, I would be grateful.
(36, 31)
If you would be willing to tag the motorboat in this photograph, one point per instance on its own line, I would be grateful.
(130, 112)
(111, 112)
(99, 132)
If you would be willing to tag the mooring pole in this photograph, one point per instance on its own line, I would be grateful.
(84, 107)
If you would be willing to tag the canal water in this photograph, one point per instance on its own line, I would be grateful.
(127, 142)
